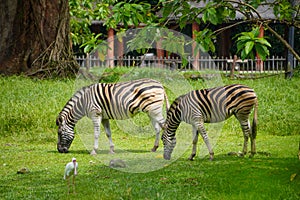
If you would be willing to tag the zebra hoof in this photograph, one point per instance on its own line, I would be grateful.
(251, 155)
(154, 149)
(93, 153)
(191, 158)
(241, 154)
(112, 150)
(211, 156)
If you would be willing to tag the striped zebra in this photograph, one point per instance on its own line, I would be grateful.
(103, 101)
(211, 106)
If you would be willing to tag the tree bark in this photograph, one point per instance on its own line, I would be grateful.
(35, 38)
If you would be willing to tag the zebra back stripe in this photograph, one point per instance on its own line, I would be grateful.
(117, 101)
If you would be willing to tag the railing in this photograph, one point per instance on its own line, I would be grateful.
(270, 65)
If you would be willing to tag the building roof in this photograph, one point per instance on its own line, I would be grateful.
(265, 11)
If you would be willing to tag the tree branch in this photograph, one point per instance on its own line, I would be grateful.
(286, 44)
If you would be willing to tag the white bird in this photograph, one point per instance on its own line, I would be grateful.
(71, 170)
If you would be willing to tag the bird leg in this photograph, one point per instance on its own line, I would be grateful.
(68, 183)
(74, 184)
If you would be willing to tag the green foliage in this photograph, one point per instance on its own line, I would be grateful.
(131, 14)
(173, 43)
(82, 14)
(211, 14)
(144, 39)
(217, 12)
(204, 40)
(111, 13)
(283, 10)
(169, 40)
(122, 15)
(249, 43)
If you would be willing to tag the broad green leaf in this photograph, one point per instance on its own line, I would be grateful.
(127, 6)
(244, 38)
(248, 47)
(204, 17)
(255, 32)
(264, 42)
(261, 51)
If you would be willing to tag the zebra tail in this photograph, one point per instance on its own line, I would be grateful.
(254, 123)
(167, 102)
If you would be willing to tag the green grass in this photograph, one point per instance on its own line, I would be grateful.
(28, 137)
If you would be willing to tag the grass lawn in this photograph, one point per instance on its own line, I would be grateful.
(28, 137)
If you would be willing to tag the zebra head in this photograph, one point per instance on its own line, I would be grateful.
(65, 135)
(169, 144)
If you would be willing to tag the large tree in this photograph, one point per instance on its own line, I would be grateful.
(35, 38)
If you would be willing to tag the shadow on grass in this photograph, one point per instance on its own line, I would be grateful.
(72, 151)
(103, 151)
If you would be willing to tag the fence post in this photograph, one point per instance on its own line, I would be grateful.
(232, 66)
(87, 61)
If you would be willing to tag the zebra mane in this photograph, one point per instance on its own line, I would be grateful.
(178, 99)
(174, 106)
(71, 106)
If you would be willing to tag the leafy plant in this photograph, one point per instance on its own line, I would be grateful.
(131, 14)
(249, 43)
(111, 13)
(204, 40)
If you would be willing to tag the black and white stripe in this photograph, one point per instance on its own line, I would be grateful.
(211, 106)
(105, 101)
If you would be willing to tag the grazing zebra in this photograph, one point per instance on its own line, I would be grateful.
(210, 106)
(103, 101)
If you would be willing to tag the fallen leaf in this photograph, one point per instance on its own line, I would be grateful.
(293, 177)
(159, 156)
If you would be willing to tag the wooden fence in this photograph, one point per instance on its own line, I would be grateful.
(274, 65)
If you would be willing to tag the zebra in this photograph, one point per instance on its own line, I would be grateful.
(210, 106)
(103, 101)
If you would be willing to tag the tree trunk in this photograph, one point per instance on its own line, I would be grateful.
(35, 38)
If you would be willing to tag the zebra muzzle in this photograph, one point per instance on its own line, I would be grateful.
(62, 149)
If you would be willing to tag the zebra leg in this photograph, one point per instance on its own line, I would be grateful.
(106, 125)
(195, 141)
(253, 146)
(204, 135)
(96, 121)
(157, 122)
(245, 125)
